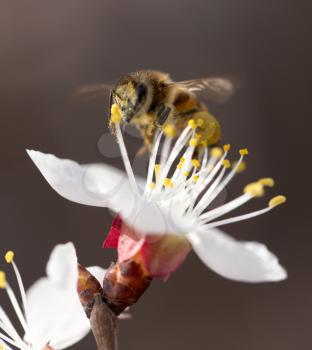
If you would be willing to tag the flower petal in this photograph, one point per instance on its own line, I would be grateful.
(236, 260)
(97, 272)
(55, 314)
(94, 184)
(62, 265)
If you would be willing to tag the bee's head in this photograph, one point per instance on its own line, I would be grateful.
(130, 97)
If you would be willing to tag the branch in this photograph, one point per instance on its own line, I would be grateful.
(104, 325)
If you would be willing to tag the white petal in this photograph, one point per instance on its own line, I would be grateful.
(97, 272)
(237, 260)
(55, 314)
(94, 184)
(105, 186)
(62, 265)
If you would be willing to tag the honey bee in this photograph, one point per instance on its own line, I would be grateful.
(151, 100)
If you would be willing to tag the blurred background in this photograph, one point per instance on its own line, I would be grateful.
(50, 47)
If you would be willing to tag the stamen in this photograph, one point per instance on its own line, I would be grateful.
(157, 171)
(16, 306)
(115, 114)
(125, 159)
(255, 189)
(196, 163)
(194, 142)
(275, 201)
(238, 218)
(241, 167)
(267, 181)
(170, 130)
(9, 257)
(192, 123)
(226, 163)
(243, 152)
(3, 282)
(216, 152)
(168, 183)
(226, 147)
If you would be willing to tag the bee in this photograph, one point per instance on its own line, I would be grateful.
(151, 100)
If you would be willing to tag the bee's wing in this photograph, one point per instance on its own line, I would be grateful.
(94, 91)
(215, 88)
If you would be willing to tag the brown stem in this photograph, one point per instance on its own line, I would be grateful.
(104, 325)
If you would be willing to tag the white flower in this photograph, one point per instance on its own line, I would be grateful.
(175, 199)
(51, 314)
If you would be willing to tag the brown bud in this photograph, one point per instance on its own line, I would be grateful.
(123, 284)
(87, 287)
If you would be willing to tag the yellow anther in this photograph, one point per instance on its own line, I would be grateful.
(267, 181)
(243, 152)
(168, 183)
(152, 185)
(216, 152)
(192, 123)
(195, 178)
(226, 163)
(255, 189)
(157, 169)
(9, 256)
(115, 114)
(200, 122)
(3, 281)
(278, 200)
(170, 130)
(226, 147)
(186, 173)
(180, 165)
(193, 142)
(242, 166)
(196, 163)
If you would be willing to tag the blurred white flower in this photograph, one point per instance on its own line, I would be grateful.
(174, 199)
(51, 314)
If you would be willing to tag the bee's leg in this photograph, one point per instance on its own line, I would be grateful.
(162, 113)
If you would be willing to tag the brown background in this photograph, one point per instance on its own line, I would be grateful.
(49, 47)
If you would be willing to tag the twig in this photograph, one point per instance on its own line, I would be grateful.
(104, 325)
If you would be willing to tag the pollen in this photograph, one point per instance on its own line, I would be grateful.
(195, 178)
(3, 281)
(9, 256)
(204, 143)
(186, 174)
(168, 183)
(242, 166)
(196, 163)
(255, 189)
(226, 147)
(243, 152)
(200, 122)
(226, 163)
(152, 185)
(278, 200)
(192, 123)
(170, 130)
(193, 142)
(216, 152)
(267, 181)
(115, 114)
